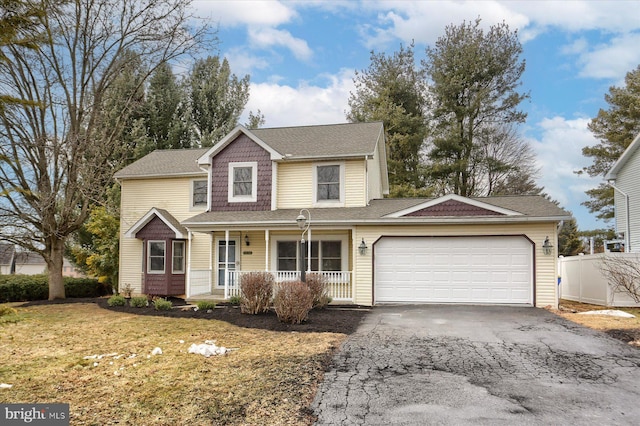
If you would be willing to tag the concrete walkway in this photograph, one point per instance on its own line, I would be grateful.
(480, 365)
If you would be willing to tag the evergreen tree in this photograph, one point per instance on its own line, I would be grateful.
(391, 90)
(615, 127)
(473, 93)
(569, 241)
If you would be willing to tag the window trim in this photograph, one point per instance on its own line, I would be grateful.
(164, 257)
(192, 204)
(173, 256)
(329, 203)
(253, 165)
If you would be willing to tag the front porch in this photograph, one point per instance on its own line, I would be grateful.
(200, 284)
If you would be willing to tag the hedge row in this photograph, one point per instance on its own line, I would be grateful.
(22, 288)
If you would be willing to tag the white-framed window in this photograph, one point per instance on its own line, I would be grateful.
(328, 184)
(156, 257)
(328, 253)
(178, 257)
(199, 193)
(243, 182)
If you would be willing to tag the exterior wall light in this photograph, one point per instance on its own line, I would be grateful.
(362, 248)
(246, 240)
(547, 248)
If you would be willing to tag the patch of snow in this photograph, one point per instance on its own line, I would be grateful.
(5, 386)
(156, 351)
(207, 349)
(610, 312)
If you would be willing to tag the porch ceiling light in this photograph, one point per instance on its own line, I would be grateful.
(362, 248)
(547, 248)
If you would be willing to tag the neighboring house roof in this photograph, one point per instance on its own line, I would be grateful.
(624, 158)
(165, 162)
(389, 210)
(29, 258)
(166, 217)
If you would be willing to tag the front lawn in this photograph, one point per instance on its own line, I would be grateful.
(101, 363)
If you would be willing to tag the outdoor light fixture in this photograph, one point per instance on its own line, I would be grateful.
(547, 248)
(363, 247)
(246, 239)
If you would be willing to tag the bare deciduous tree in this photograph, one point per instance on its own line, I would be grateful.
(56, 153)
(623, 275)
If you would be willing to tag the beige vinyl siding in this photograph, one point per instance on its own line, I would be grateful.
(374, 179)
(138, 196)
(295, 184)
(628, 180)
(545, 266)
(252, 257)
(355, 188)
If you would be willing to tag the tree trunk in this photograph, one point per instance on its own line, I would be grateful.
(55, 251)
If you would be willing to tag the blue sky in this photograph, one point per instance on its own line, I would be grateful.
(302, 57)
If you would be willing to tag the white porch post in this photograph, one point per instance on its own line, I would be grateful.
(309, 248)
(211, 275)
(226, 264)
(188, 276)
(266, 252)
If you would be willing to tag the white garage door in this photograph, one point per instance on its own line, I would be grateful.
(454, 270)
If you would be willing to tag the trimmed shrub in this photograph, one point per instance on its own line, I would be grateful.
(234, 300)
(292, 302)
(162, 304)
(116, 300)
(319, 290)
(205, 305)
(138, 302)
(256, 291)
(23, 288)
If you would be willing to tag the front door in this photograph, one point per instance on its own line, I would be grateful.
(226, 262)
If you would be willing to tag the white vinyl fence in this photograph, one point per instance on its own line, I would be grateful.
(582, 281)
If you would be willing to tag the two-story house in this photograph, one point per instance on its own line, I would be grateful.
(193, 221)
(624, 177)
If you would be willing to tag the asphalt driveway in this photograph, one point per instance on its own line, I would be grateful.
(487, 365)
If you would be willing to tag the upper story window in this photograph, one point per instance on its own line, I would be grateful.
(243, 182)
(199, 193)
(329, 184)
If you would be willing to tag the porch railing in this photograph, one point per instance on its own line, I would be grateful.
(339, 282)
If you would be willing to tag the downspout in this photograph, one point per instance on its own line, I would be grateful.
(627, 231)
(188, 277)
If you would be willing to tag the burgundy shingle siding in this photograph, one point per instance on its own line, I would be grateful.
(166, 284)
(242, 149)
(454, 208)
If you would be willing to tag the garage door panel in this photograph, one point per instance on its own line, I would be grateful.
(454, 270)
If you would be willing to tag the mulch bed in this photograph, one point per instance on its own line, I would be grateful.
(333, 319)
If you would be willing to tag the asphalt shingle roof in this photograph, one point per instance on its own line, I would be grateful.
(165, 162)
(528, 206)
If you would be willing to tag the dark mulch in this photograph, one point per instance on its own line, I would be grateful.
(626, 335)
(333, 319)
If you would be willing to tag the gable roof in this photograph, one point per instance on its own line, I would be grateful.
(454, 205)
(165, 163)
(624, 158)
(382, 211)
(171, 222)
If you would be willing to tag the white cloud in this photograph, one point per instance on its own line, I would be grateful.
(284, 105)
(269, 37)
(613, 59)
(242, 62)
(248, 12)
(559, 155)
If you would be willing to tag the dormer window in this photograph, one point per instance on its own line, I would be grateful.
(243, 182)
(329, 184)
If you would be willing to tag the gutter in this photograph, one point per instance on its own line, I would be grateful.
(627, 231)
